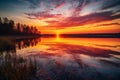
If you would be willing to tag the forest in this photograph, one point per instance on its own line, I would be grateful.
(10, 28)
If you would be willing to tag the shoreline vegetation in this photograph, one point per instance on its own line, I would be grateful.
(15, 67)
(10, 28)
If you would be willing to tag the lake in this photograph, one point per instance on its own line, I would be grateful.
(71, 58)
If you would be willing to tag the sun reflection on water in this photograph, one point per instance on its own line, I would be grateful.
(57, 36)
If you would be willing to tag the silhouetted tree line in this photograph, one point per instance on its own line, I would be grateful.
(8, 27)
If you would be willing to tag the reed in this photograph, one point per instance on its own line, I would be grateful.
(17, 68)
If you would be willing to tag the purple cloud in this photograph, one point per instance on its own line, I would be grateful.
(42, 15)
(109, 24)
(60, 4)
(105, 11)
(87, 19)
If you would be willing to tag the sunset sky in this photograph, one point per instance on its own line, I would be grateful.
(65, 16)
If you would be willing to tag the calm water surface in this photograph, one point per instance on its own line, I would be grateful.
(74, 58)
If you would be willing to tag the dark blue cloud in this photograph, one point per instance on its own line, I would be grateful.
(110, 3)
(6, 5)
(33, 3)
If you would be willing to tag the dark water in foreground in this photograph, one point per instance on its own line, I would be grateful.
(72, 58)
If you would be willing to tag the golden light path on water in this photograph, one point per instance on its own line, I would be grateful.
(105, 43)
(102, 43)
(57, 36)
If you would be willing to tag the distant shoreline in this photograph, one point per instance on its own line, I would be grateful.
(104, 35)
